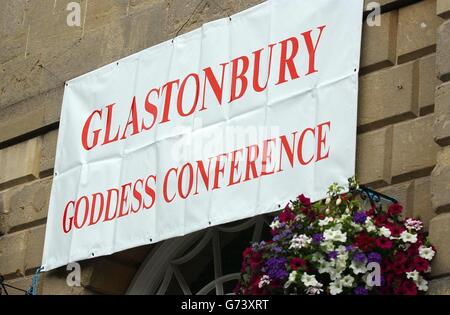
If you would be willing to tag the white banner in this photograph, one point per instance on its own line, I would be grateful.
(223, 123)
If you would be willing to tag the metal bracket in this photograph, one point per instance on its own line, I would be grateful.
(4, 285)
(374, 197)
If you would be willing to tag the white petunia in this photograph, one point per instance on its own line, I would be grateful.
(338, 201)
(275, 225)
(300, 241)
(422, 284)
(357, 227)
(335, 288)
(385, 232)
(347, 281)
(265, 280)
(426, 252)
(413, 275)
(325, 221)
(292, 276)
(313, 291)
(327, 201)
(310, 280)
(408, 237)
(328, 246)
(412, 224)
(335, 275)
(316, 257)
(370, 226)
(340, 237)
(358, 268)
(334, 235)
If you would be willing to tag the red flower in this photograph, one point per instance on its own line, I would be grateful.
(395, 209)
(275, 284)
(413, 249)
(420, 264)
(304, 200)
(409, 287)
(381, 220)
(383, 243)
(396, 230)
(386, 266)
(297, 263)
(399, 269)
(256, 290)
(400, 258)
(364, 242)
(255, 260)
(371, 212)
(389, 279)
(247, 252)
(286, 215)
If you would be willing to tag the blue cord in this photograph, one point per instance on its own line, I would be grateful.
(34, 282)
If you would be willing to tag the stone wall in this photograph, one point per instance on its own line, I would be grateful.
(403, 121)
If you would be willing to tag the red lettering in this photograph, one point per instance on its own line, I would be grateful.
(123, 200)
(181, 93)
(220, 169)
(137, 196)
(150, 191)
(267, 157)
(236, 75)
(183, 194)
(84, 133)
(300, 147)
(322, 140)
(214, 84)
(204, 174)
(108, 126)
(256, 69)
(150, 108)
(288, 62)
(132, 120)
(93, 221)
(108, 204)
(234, 167)
(86, 212)
(165, 188)
(287, 149)
(67, 227)
(251, 162)
(312, 48)
(168, 87)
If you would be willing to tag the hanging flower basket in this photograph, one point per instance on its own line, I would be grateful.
(338, 246)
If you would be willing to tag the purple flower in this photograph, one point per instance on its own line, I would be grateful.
(276, 268)
(374, 257)
(332, 255)
(359, 217)
(361, 291)
(349, 248)
(359, 257)
(277, 249)
(317, 238)
(286, 233)
(258, 246)
(276, 238)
